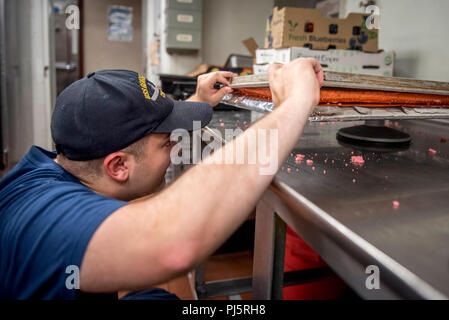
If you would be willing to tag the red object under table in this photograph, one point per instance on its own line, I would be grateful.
(299, 256)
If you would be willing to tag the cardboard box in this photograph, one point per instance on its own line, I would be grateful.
(350, 61)
(268, 38)
(297, 27)
(260, 68)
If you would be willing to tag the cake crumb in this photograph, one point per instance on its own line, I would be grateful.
(396, 204)
(357, 160)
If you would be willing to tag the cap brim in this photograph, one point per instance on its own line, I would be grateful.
(183, 115)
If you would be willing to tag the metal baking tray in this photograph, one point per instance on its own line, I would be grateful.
(356, 81)
(351, 81)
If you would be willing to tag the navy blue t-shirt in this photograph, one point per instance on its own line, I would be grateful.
(47, 218)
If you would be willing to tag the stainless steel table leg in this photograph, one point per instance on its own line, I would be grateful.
(280, 230)
(199, 281)
(269, 250)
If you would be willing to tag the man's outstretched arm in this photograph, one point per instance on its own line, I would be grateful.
(148, 242)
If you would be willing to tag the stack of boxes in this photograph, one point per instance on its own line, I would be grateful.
(341, 45)
(350, 61)
(183, 25)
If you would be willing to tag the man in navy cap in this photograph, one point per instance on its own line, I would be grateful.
(81, 222)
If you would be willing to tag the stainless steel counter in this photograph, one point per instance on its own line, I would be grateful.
(391, 212)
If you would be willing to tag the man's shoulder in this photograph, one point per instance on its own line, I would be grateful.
(39, 190)
(36, 165)
(47, 219)
(37, 184)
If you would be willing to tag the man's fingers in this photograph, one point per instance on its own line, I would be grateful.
(274, 66)
(320, 77)
(222, 76)
(222, 79)
(227, 74)
(318, 70)
(221, 93)
(214, 77)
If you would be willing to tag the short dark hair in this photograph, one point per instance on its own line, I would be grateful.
(92, 168)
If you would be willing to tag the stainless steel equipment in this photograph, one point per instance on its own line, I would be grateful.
(66, 52)
(3, 103)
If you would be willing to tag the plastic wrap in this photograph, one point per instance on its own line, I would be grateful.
(334, 113)
(240, 101)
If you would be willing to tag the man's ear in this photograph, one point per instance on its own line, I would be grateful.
(117, 166)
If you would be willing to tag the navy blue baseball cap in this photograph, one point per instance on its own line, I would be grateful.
(111, 109)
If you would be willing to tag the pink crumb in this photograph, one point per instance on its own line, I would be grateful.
(313, 168)
(432, 151)
(299, 158)
(324, 171)
(396, 204)
(309, 162)
(289, 170)
(353, 180)
(222, 124)
(357, 160)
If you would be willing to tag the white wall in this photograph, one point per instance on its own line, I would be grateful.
(227, 23)
(418, 31)
(29, 75)
(101, 53)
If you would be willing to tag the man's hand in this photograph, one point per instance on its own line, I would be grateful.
(205, 91)
(299, 80)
